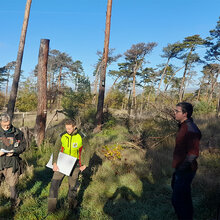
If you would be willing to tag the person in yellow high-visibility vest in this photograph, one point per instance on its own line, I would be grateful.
(69, 142)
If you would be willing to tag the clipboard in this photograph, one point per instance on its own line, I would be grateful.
(65, 163)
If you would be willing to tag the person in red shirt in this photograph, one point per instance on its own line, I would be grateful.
(184, 161)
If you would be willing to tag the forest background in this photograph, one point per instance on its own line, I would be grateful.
(129, 161)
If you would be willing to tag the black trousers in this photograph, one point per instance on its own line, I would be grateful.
(181, 197)
(57, 180)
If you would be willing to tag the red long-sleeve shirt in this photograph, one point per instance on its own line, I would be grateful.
(187, 143)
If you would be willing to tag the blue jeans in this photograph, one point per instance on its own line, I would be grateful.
(181, 197)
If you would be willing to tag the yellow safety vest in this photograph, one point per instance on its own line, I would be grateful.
(71, 144)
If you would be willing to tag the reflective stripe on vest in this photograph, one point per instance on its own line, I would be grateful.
(71, 144)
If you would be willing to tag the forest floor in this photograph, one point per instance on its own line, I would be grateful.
(128, 173)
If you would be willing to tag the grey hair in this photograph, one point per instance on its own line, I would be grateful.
(5, 117)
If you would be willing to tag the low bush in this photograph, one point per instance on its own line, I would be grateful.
(204, 108)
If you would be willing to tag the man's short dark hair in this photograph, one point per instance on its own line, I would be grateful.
(70, 122)
(186, 107)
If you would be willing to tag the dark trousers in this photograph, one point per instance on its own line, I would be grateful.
(181, 197)
(57, 180)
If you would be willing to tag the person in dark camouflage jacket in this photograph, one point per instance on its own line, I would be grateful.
(12, 143)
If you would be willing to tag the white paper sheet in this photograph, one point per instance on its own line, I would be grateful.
(5, 151)
(65, 163)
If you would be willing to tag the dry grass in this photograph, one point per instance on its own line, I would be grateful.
(135, 185)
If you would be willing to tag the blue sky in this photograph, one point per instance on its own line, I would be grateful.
(77, 27)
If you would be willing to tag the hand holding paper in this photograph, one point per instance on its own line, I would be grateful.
(55, 167)
(82, 168)
(6, 151)
(65, 163)
(10, 153)
(1, 153)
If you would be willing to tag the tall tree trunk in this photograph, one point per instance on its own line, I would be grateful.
(42, 92)
(136, 67)
(172, 78)
(213, 85)
(129, 103)
(97, 75)
(199, 92)
(162, 76)
(6, 89)
(76, 82)
(198, 96)
(133, 92)
(211, 94)
(99, 114)
(148, 98)
(182, 83)
(126, 97)
(59, 88)
(17, 73)
(184, 77)
(113, 84)
(122, 104)
(207, 94)
(49, 89)
(218, 106)
(142, 103)
(59, 79)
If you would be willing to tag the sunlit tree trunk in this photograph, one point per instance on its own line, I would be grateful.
(17, 73)
(97, 75)
(142, 104)
(42, 92)
(199, 92)
(182, 83)
(218, 106)
(184, 77)
(172, 78)
(129, 103)
(207, 93)
(136, 67)
(213, 85)
(99, 114)
(148, 98)
(6, 89)
(162, 76)
(113, 84)
(198, 96)
(133, 93)
(59, 88)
